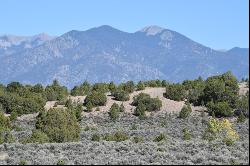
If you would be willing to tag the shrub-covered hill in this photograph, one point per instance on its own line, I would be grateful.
(153, 122)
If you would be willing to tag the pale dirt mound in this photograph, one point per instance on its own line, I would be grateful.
(27, 117)
(167, 104)
(49, 104)
(243, 88)
(77, 99)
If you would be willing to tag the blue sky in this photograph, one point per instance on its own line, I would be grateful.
(220, 24)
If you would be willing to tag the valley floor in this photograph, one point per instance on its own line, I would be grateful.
(173, 150)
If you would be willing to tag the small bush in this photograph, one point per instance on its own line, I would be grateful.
(6, 137)
(77, 111)
(59, 125)
(22, 162)
(69, 103)
(220, 129)
(101, 87)
(128, 86)
(140, 86)
(185, 111)
(95, 137)
(89, 107)
(60, 162)
(220, 109)
(140, 110)
(241, 118)
(36, 137)
(175, 92)
(114, 112)
(145, 103)
(186, 134)
(87, 128)
(118, 137)
(4, 122)
(97, 109)
(96, 99)
(13, 115)
(161, 137)
(121, 95)
(122, 108)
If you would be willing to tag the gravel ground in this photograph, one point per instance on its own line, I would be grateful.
(174, 150)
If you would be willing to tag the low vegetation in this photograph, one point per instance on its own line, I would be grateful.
(144, 102)
(59, 125)
(185, 111)
(95, 99)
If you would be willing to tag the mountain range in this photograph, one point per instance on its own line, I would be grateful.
(104, 54)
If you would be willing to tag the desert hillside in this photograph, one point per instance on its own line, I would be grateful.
(148, 123)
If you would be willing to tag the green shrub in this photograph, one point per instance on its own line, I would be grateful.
(77, 111)
(118, 136)
(140, 110)
(60, 162)
(153, 83)
(96, 99)
(81, 90)
(22, 162)
(11, 102)
(221, 88)
(101, 87)
(121, 95)
(161, 137)
(145, 103)
(15, 87)
(89, 107)
(36, 137)
(241, 118)
(140, 86)
(114, 112)
(128, 86)
(6, 136)
(243, 104)
(111, 86)
(164, 83)
(122, 108)
(186, 134)
(194, 90)
(56, 91)
(4, 122)
(38, 88)
(69, 103)
(95, 137)
(185, 111)
(140, 98)
(13, 115)
(175, 92)
(220, 109)
(5, 127)
(59, 125)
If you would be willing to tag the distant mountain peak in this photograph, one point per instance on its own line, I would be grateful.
(152, 30)
(104, 54)
(104, 28)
